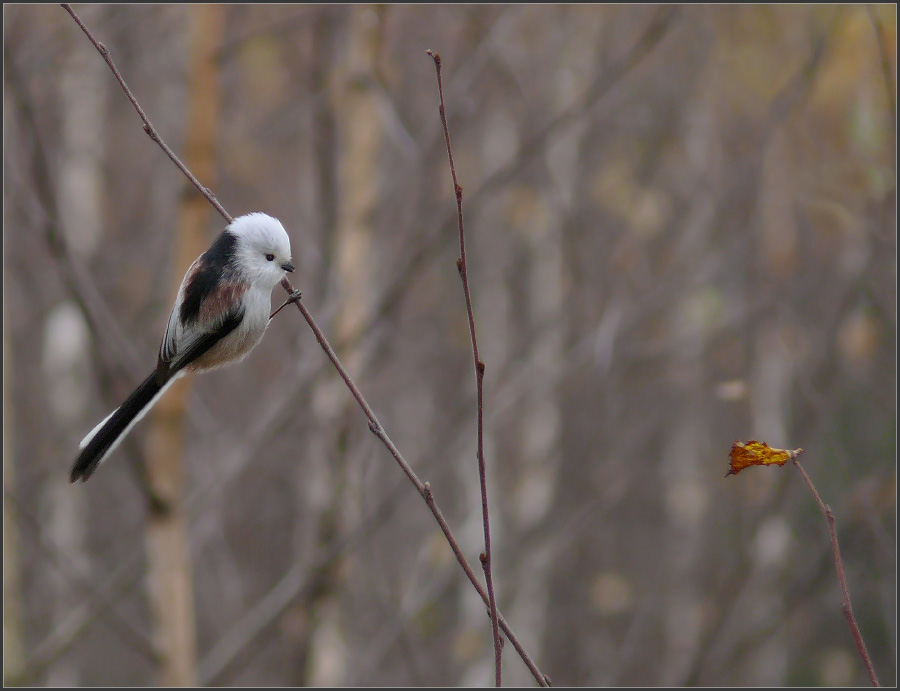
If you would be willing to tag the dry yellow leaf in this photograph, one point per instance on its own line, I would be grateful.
(745, 454)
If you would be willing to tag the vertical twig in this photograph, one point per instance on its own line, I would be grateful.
(839, 564)
(423, 488)
(479, 381)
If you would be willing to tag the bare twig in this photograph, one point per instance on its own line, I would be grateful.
(479, 382)
(293, 296)
(839, 564)
(423, 487)
(424, 253)
(148, 126)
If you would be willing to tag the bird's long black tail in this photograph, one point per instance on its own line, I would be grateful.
(97, 445)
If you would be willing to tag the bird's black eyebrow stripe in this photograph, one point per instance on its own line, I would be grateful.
(215, 263)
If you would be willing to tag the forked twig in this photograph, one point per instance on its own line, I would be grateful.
(424, 489)
(479, 382)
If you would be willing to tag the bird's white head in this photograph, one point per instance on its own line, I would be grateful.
(263, 249)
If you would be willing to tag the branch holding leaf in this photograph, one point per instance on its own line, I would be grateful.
(745, 454)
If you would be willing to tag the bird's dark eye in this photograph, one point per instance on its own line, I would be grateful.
(270, 257)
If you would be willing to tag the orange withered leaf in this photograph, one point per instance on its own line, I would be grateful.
(745, 454)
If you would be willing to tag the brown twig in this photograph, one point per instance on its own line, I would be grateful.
(424, 489)
(839, 564)
(148, 126)
(479, 382)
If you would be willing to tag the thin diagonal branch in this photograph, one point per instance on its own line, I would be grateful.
(424, 489)
(148, 126)
(479, 383)
(839, 565)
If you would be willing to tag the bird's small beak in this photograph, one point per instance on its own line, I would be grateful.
(287, 266)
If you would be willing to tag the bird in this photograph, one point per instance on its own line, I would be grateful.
(220, 313)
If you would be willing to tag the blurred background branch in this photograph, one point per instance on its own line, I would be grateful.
(682, 231)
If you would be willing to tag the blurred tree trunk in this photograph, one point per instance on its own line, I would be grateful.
(324, 143)
(763, 228)
(686, 492)
(65, 353)
(685, 502)
(538, 421)
(767, 664)
(358, 132)
(567, 592)
(65, 360)
(313, 480)
(169, 561)
(775, 241)
(13, 644)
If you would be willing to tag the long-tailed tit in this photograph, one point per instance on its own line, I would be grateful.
(221, 312)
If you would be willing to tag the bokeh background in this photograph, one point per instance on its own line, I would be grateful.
(681, 232)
